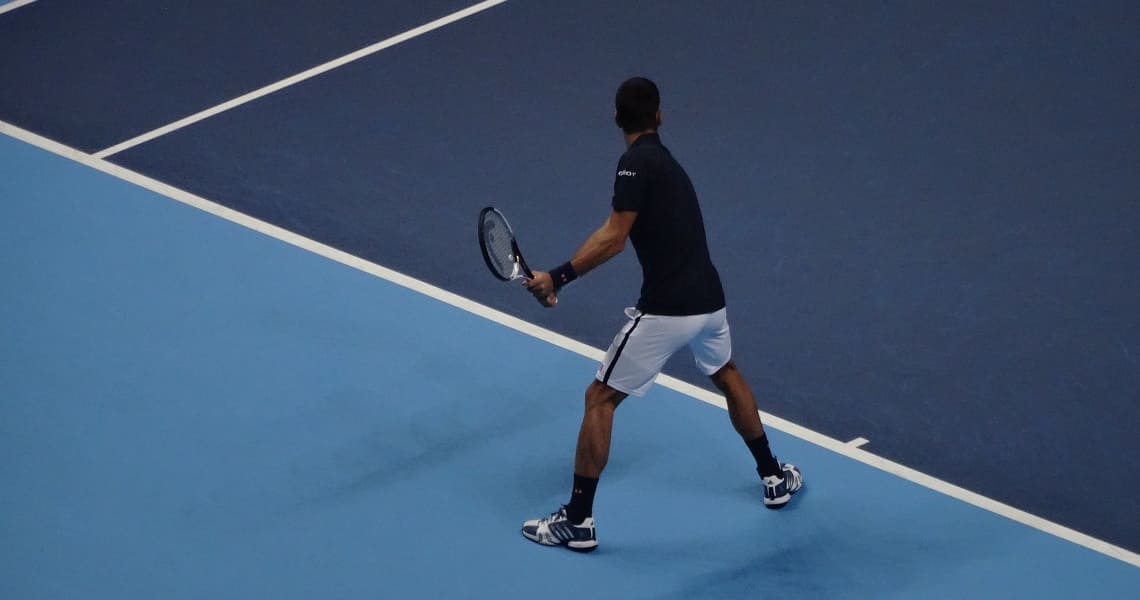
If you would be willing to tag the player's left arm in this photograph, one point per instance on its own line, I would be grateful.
(603, 244)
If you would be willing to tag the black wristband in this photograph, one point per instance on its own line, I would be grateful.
(563, 274)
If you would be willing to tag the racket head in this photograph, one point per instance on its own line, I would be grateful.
(499, 247)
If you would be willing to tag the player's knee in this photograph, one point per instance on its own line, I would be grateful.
(720, 378)
(600, 395)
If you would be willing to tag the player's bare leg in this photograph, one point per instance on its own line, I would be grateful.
(597, 427)
(780, 480)
(742, 408)
(572, 525)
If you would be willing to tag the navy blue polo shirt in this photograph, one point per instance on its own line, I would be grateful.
(669, 232)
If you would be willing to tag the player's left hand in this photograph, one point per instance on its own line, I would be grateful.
(542, 288)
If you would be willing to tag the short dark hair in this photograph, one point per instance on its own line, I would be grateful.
(637, 102)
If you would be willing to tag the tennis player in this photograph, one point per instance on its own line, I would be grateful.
(681, 304)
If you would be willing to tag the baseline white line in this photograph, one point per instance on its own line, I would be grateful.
(858, 442)
(299, 77)
(567, 343)
(14, 5)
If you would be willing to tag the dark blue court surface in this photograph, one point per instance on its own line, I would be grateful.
(927, 218)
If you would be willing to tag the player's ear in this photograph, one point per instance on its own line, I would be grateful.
(658, 118)
(617, 121)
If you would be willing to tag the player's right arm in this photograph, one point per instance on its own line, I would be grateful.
(630, 194)
(605, 243)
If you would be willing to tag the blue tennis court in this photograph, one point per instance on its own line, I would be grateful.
(257, 354)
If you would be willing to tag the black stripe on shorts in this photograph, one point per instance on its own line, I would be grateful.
(610, 369)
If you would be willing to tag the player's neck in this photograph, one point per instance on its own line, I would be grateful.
(630, 138)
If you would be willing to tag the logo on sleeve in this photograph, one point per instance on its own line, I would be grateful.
(624, 173)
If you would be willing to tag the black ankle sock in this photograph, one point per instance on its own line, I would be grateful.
(581, 503)
(766, 464)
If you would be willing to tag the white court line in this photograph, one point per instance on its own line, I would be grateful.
(14, 5)
(567, 343)
(299, 77)
(858, 442)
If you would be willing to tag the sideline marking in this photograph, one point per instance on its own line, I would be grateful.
(14, 5)
(299, 77)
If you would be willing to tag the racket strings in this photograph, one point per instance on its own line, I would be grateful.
(499, 244)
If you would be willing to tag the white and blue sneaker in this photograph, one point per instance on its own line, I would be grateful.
(557, 530)
(778, 490)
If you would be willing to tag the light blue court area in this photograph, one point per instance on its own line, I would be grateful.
(189, 409)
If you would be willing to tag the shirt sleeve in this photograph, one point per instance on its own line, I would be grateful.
(631, 184)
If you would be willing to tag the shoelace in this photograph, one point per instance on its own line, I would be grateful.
(554, 516)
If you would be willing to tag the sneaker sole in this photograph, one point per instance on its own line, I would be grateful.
(536, 539)
(777, 503)
(581, 547)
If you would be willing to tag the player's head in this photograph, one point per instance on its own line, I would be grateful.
(638, 106)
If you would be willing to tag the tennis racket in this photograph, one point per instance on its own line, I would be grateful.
(500, 248)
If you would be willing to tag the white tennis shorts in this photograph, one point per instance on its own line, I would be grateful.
(640, 349)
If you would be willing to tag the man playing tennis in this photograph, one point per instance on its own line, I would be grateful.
(682, 304)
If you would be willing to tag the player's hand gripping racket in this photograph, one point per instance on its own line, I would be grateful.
(500, 249)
